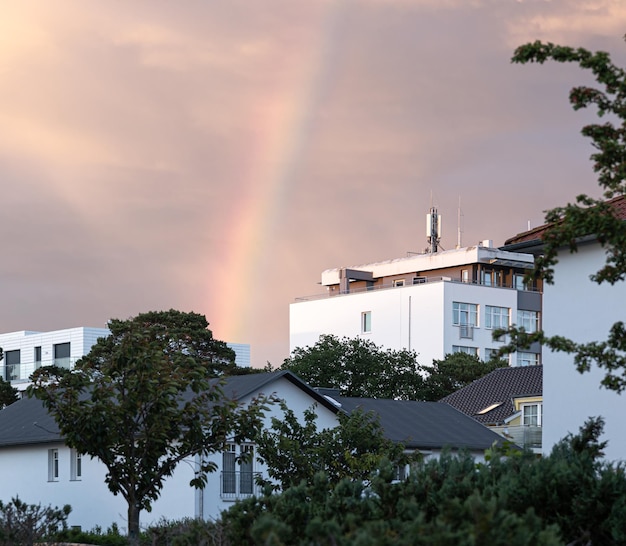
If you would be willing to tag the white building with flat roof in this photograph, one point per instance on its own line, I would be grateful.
(433, 303)
(25, 351)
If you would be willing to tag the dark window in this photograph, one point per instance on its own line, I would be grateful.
(62, 355)
(12, 361)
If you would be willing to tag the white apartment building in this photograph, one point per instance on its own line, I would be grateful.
(434, 303)
(25, 351)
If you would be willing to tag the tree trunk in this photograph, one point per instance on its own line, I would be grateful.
(133, 523)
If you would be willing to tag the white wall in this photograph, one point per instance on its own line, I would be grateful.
(417, 317)
(580, 309)
(24, 473)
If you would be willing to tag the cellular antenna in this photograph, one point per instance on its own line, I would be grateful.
(433, 230)
(459, 229)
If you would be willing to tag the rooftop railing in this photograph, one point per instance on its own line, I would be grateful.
(416, 281)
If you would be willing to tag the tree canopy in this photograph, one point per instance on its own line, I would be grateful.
(588, 216)
(360, 368)
(357, 367)
(8, 394)
(144, 399)
(570, 496)
(296, 451)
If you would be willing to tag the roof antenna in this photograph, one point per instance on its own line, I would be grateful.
(459, 230)
(433, 230)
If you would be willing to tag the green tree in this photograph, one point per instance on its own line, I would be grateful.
(588, 216)
(8, 394)
(455, 371)
(357, 367)
(295, 451)
(143, 400)
(568, 497)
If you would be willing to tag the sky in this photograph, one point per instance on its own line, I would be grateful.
(216, 156)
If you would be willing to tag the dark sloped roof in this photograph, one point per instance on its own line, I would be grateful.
(498, 387)
(534, 236)
(28, 422)
(424, 425)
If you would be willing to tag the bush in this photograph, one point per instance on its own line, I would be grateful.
(185, 532)
(112, 537)
(24, 524)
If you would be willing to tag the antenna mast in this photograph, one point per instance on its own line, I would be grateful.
(433, 230)
(459, 230)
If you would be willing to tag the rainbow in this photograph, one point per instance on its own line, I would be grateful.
(285, 129)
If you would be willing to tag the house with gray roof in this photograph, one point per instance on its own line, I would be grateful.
(37, 466)
(508, 400)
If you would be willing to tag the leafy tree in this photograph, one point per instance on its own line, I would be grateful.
(357, 367)
(8, 394)
(454, 372)
(143, 400)
(295, 452)
(588, 216)
(568, 497)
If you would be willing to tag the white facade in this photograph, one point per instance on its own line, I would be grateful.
(429, 314)
(25, 351)
(584, 311)
(25, 472)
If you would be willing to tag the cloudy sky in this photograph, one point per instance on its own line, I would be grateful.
(216, 156)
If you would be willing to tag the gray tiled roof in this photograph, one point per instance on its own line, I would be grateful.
(497, 387)
(425, 425)
(27, 421)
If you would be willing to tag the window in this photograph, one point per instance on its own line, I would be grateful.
(76, 465)
(531, 414)
(529, 320)
(237, 476)
(491, 278)
(53, 465)
(496, 317)
(37, 357)
(464, 314)
(527, 359)
(518, 282)
(12, 365)
(62, 355)
(463, 349)
(464, 275)
(366, 322)
(398, 282)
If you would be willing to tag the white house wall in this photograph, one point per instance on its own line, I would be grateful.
(584, 311)
(417, 317)
(209, 504)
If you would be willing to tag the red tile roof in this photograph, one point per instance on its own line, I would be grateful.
(618, 204)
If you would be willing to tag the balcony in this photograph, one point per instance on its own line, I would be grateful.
(239, 485)
(466, 331)
(522, 435)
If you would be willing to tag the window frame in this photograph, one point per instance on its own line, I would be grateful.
(533, 359)
(53, 465)
(366, 322)
(465, 349)
(538, 416)
(528, 318)
(76, 466)
(490, 314)
(462, 309)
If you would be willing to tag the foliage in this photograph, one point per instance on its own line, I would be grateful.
(112, 536)
(295, 452)
(185, 532)
(569, 224)
(8, 394)
(22, 523)
(454, 372)
(568, 497)
(143, 400)
(358, 367)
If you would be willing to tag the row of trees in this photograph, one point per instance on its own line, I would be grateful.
(357, 367)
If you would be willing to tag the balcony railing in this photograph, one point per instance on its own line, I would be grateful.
(239, 485)
(22, 371)
(416, 281)
(521, 435)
